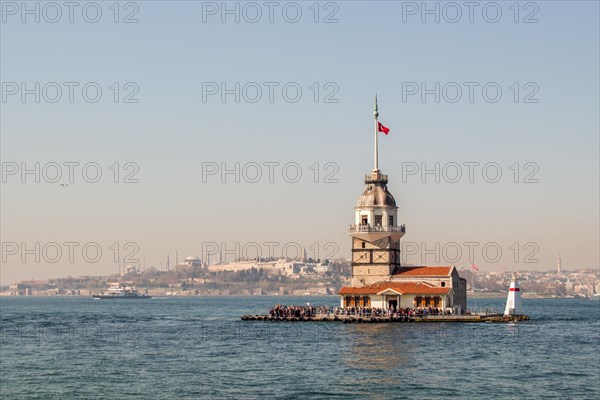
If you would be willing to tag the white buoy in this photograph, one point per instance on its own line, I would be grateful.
(513, 301)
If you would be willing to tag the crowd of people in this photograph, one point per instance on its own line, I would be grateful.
(393, 312)
(309, 311)
(281, 311)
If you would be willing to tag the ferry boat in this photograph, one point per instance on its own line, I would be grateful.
(119, 291)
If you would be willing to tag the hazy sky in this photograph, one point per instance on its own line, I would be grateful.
(179, 55)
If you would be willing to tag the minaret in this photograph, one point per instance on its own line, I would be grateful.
(513, 301)
(558, 262)
(375, 233)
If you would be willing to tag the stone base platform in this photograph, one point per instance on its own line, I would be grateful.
(356, 319)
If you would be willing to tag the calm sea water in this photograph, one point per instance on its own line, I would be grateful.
(172, 348)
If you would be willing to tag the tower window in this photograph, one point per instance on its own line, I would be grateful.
(378, 220)
(365, 220)
(391, 220)
(363, 245)
(443, 284)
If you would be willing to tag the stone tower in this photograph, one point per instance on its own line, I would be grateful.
(375, 233)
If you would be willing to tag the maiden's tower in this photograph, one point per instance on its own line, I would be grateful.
(378, 278)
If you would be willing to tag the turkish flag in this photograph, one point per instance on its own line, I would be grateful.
(382, 128)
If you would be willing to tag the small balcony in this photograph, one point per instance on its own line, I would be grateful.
(376, 177)
(369, 229)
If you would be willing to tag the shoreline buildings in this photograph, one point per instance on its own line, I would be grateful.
(378, 278)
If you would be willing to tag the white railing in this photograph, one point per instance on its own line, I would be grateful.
(379, 228)
(369, 178)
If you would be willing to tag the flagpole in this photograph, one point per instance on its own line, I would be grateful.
(376, 114)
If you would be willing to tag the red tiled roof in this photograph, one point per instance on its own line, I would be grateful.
(423, 271)
(400, 287)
